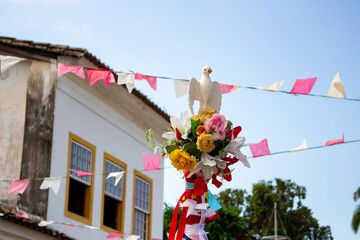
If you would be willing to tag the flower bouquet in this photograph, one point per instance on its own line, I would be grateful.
(203, 147)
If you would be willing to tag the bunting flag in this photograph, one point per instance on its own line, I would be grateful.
(275, 87)
(226, 88)
(117, 175)
(151, 80)
(53, 183)
(24, 215)
(126, 78)
(77, 70)
(213, 202)
(44, 223)
(336, 89)
(302, 146)
(133, 237)
(303, 86)
(91, 227)
(7, 62)
(333, 142)
(151, 162)
(95, 75)
(260, 149)
(114, 235)
(181, 87)
(18, 186)
(70, 225)
(81, 173)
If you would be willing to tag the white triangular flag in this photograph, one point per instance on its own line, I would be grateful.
(44, 223)
(302, 146)
(133, 237)
(336, 89)
(126, 78)
(181, 87)
(53, 183)
(91, 227)
(275, 87)
(7, 62)
(117, 175)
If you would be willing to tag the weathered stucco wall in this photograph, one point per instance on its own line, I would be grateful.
(114, 121)
(13, 87)
(38, 133)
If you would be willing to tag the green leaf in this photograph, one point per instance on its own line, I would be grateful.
(229, 124)
(171, 148)
(191, 148)
(193, 130)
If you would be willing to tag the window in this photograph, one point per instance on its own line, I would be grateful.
(113, 196)
(142, 205)
(79, 190)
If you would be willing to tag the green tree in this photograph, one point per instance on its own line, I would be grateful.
(355, 223)
(168, 212)
(298, 222)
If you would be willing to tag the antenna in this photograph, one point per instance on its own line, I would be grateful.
(276, 236)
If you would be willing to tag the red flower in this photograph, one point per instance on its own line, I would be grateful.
(178, 134)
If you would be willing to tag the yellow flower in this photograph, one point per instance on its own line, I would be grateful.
(205, 143)
(206, 113)
(182, 160)
(196, 119)
(200, 130)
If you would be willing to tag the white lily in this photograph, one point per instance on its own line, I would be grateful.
(205, 165)
(234, 148)
(184, 127)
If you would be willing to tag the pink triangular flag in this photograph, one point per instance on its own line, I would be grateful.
(151, 162)
(226, 88)
(151, 80)
(81, 173)
(18, 186)
(114, 235)
(70, 225)
(260, 149)
(333, 142)
(24, 215)
(77, 70)
(303, 86)
(95, 75)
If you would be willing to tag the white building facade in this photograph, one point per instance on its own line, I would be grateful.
(94, 129)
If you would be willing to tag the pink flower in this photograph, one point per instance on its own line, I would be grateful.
(217, 125)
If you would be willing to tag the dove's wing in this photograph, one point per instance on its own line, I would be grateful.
(216, 97)
(193, 93)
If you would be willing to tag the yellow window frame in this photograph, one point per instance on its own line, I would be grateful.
(122, 210)
(150, 181)
(90, 194)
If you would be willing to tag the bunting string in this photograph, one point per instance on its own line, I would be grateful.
(269, 89)
(300, 87)
(155, 168)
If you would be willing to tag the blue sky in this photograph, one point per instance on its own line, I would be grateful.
(250, 43)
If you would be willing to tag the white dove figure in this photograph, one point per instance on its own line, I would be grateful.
(207, 92)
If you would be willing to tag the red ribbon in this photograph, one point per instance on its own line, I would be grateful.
(172, 231)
